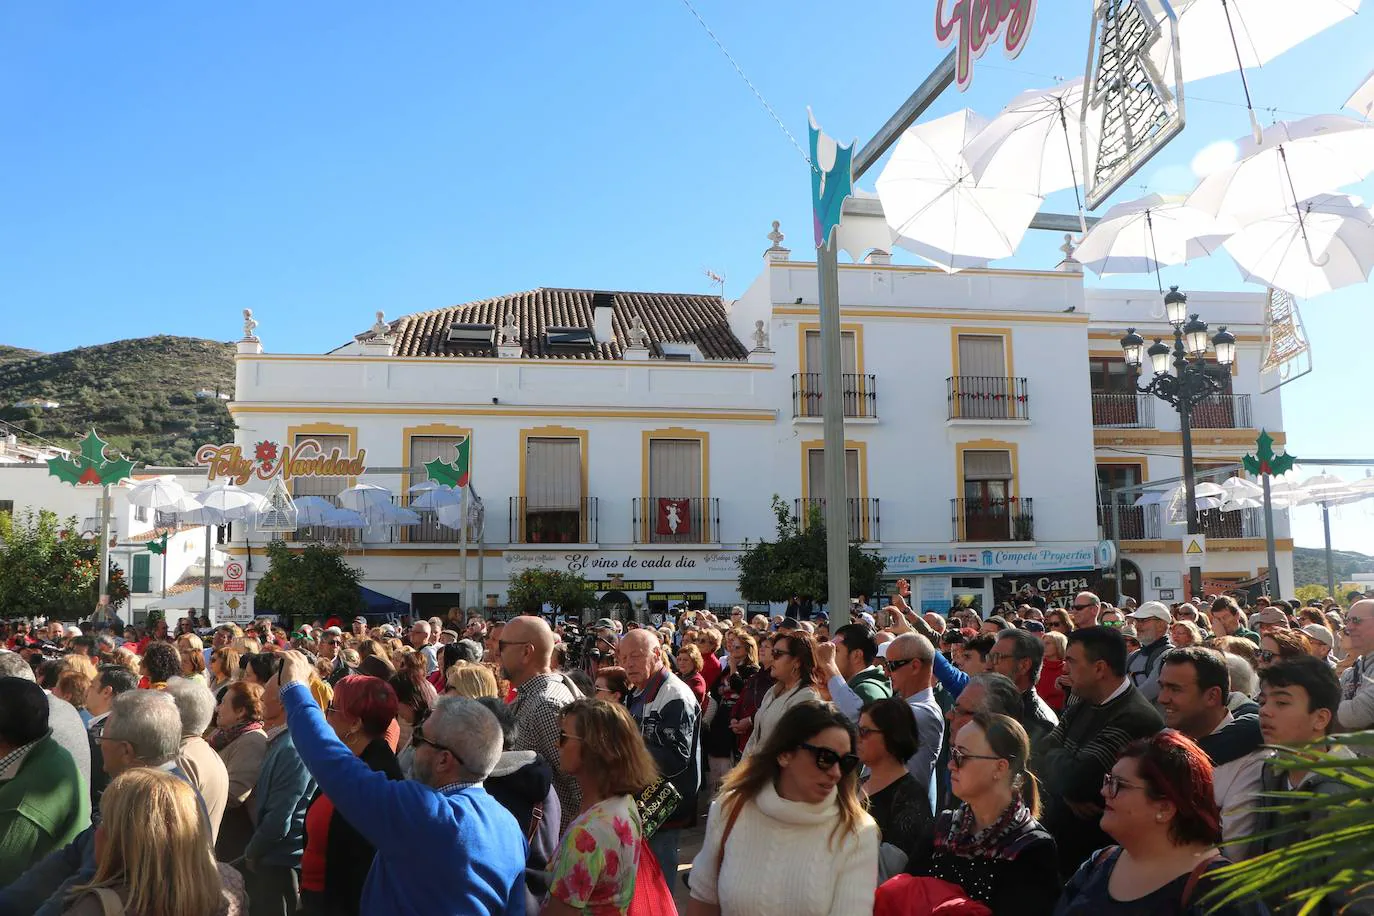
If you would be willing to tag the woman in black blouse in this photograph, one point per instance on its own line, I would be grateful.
(991, 845)
(900, 805)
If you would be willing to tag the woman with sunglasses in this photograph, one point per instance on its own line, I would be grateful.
(992, 846)
(594, 869)
(1057, 620)
(1280, 646)
(788, 829)
(337, 858)
(796, 680)
(1161, 807)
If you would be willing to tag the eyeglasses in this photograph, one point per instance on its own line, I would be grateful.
(1112, 785)
(564, 738)
(897, 664)
(1111, 623)
(957, 757)
(826, 758)
(779, 653)
(418, 738)
(865, 732)
(1265, 655)
(501, 644)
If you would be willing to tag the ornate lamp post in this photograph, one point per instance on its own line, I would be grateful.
(1192, 381)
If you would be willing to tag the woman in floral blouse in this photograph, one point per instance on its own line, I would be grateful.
(594, 869)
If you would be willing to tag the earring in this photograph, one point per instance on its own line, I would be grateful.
(1159, 818)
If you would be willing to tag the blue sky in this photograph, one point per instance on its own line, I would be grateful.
(168, 164)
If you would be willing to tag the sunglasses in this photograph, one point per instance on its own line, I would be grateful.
(826, 758)
(1266, 655)
(958, 757)
(897, 664)
(418, 738)
(564, 737)
(1083, 607)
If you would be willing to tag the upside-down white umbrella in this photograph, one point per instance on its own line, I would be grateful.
(1361, 101)
(157, 493)
(1035, 143)
(935, 206)
(1294, 161)
(1220, 36)
(1141, 236)
(1275, 252)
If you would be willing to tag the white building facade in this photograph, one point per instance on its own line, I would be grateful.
(639, 438)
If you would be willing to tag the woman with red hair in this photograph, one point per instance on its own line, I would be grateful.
(337, 858)
(1161, 807)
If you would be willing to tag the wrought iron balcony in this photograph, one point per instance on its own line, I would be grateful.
(1242, 523)
(981, 397)
(1123, 410)
(864, 520)
(860, 395)
(550, 525)
(1138, 523)
(992, 520)
(1223, 411)
(676, 520)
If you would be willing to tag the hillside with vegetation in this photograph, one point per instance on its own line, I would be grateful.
(1309, 565)
(139, 394)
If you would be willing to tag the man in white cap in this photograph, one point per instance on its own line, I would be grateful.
(1323, 641)
(1152, 620)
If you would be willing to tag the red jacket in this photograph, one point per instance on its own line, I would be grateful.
(1047, 687)
(907, 895)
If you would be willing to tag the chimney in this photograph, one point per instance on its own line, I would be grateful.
(603, 311)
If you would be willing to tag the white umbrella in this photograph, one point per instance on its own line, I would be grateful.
(1362, 100)
(1233, 504)
(227, 497)
(361, 497)
(189, 510)
(437, 498)
(312, 510)
(1323, 244)
(1219, 36)
(932, 202)
(1141, 236)
(1335, 496)
(157, 493)
(1035, 143)
(1238, 487)
(1324, 481)
(395, 515)
(1152, 498)
(343, 518)
(1294, 161)
(1207, 488)
(425, 486)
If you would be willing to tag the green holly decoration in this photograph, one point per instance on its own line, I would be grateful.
(1264, 461)
(158, 545)
(451, 475)
(91, 467)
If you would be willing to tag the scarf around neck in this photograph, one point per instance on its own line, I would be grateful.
(223, 737)
(993, 842)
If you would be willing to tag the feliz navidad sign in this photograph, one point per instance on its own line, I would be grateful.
(973, 26)
(269, 460)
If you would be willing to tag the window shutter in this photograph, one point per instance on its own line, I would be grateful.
(987, 465)
(675, 468)
(553, 473)
(321, 486)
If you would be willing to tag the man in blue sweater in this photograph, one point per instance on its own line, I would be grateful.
(444, 846)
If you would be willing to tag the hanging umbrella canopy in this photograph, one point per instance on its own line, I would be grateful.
(343, 518)
(393, 515)
(363, 496)
(1206, 488)
(1334, 496)
(1152, 498)
(312, 510)
(437, 498)
(1035, 144)
(1324, 481)
(1294, 161)
(1274, 252)
(1362, 100)
(1141, 236)
(1234, 504)
(190, 511)
(935, 206)
(425, 486)
(1239, 487)
(226, 497)
(157, 493)
(1263, 29)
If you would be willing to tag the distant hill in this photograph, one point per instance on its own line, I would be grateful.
(1309, 565)
(139, 394)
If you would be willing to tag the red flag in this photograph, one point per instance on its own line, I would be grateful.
(673, 517)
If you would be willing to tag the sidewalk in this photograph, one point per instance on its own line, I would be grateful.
(687, 851)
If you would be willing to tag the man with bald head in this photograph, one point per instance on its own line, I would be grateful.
(525, 650)
(1085, 611)
(1356, 711)
(667, 714)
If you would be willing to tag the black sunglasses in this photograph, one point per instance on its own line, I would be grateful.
(417, 738)
(897, 664)
(826, 758)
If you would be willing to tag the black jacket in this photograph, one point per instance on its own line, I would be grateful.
(1037, 718)
(347, 856)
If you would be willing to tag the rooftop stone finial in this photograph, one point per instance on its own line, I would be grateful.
(249, 325)
(776, 235)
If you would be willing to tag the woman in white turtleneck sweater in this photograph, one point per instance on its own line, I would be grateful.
(788, 836)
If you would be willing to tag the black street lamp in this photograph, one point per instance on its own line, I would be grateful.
(1192, 381)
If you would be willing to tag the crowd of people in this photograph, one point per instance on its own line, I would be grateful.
(1066, 759)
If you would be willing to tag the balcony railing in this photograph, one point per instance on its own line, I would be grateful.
(860, 395)
(992, 520)
(1138, 523)
(548, 525)
(676, 520)
(864, 520)
(981, 397)
(1223, 411)
(1123, 410)
(427, 531)
(1242, 523)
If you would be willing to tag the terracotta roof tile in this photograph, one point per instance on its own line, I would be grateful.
(668, 318)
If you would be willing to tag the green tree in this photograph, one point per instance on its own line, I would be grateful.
(45, 569)
(1306, 593)
(312, 583)
(795, 563)
(531, 589)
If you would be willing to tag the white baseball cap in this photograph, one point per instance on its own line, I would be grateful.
(1152, 609)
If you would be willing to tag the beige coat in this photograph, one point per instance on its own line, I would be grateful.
(208, 774)
(243, 760)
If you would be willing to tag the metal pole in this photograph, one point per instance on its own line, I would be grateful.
(164, 568)
(205, 602)
(1185, 417)
(463, 551)
(481, 577)
(832, 414)
(1270, 550)
(104, 544)
(940, 79)
(1116, 542)
(1330, 568)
